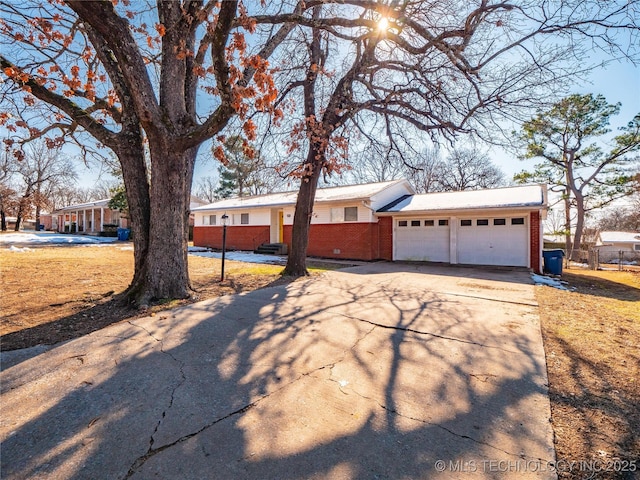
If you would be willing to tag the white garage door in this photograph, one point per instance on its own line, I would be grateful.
(422, 239)
(493, 241)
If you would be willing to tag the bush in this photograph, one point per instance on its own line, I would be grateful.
(109, 230)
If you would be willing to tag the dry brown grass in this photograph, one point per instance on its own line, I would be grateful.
(52, 294)
(592, 343)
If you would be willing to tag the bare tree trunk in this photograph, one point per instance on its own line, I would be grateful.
(3, 221)
(567, 223)
(20, 213)
(297, 260)
(132, 162)
(37, 216)
(166, 271)
(577, 239)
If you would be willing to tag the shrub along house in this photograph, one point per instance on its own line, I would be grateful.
(389, 221)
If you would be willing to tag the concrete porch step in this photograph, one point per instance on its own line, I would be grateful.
(272, 249)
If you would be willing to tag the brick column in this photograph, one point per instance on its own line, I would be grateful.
(385, 238)
(534, 241)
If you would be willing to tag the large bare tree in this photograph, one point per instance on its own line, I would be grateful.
(141, 79)
(469, 169)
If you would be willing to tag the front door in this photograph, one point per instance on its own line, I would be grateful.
(280, 226)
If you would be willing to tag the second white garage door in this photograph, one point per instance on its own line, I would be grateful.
(493, 241)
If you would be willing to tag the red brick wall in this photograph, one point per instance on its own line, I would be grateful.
(239, 237)
(356, 241)
(385, 242)
(534, 241)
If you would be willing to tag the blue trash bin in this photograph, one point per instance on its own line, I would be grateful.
(553, 261)
(123, 234)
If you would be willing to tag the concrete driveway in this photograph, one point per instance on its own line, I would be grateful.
(380, 371)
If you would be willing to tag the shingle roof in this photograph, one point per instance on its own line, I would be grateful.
(330, 194)
(104, 203)
(615, 237)
(520, 196)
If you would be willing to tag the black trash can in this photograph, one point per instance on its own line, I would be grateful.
(553, 261)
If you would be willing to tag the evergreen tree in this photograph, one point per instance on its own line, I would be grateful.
(240, 175)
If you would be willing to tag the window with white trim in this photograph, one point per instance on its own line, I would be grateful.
(636, 247)
(344, 214)
(244, 219)
(208, 220)
(350, 214)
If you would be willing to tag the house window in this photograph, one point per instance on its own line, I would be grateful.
(465, 223)
(212, 219)
(636, 247)
(244, 219)
(499, 221)
(208, 220)
(483, 222)
(517, 221)
(402, 223)
(346, 214)
(429, 223)
(443, 223)
(415, 223)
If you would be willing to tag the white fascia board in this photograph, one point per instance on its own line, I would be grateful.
(460, 212)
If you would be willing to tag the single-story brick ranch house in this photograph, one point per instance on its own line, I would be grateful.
(389, 221)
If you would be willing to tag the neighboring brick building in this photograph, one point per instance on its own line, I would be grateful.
(89, 218)
(389, 221)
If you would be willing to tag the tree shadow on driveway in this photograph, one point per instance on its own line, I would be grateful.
(341, 376)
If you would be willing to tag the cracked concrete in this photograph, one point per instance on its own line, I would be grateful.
(373, 372)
